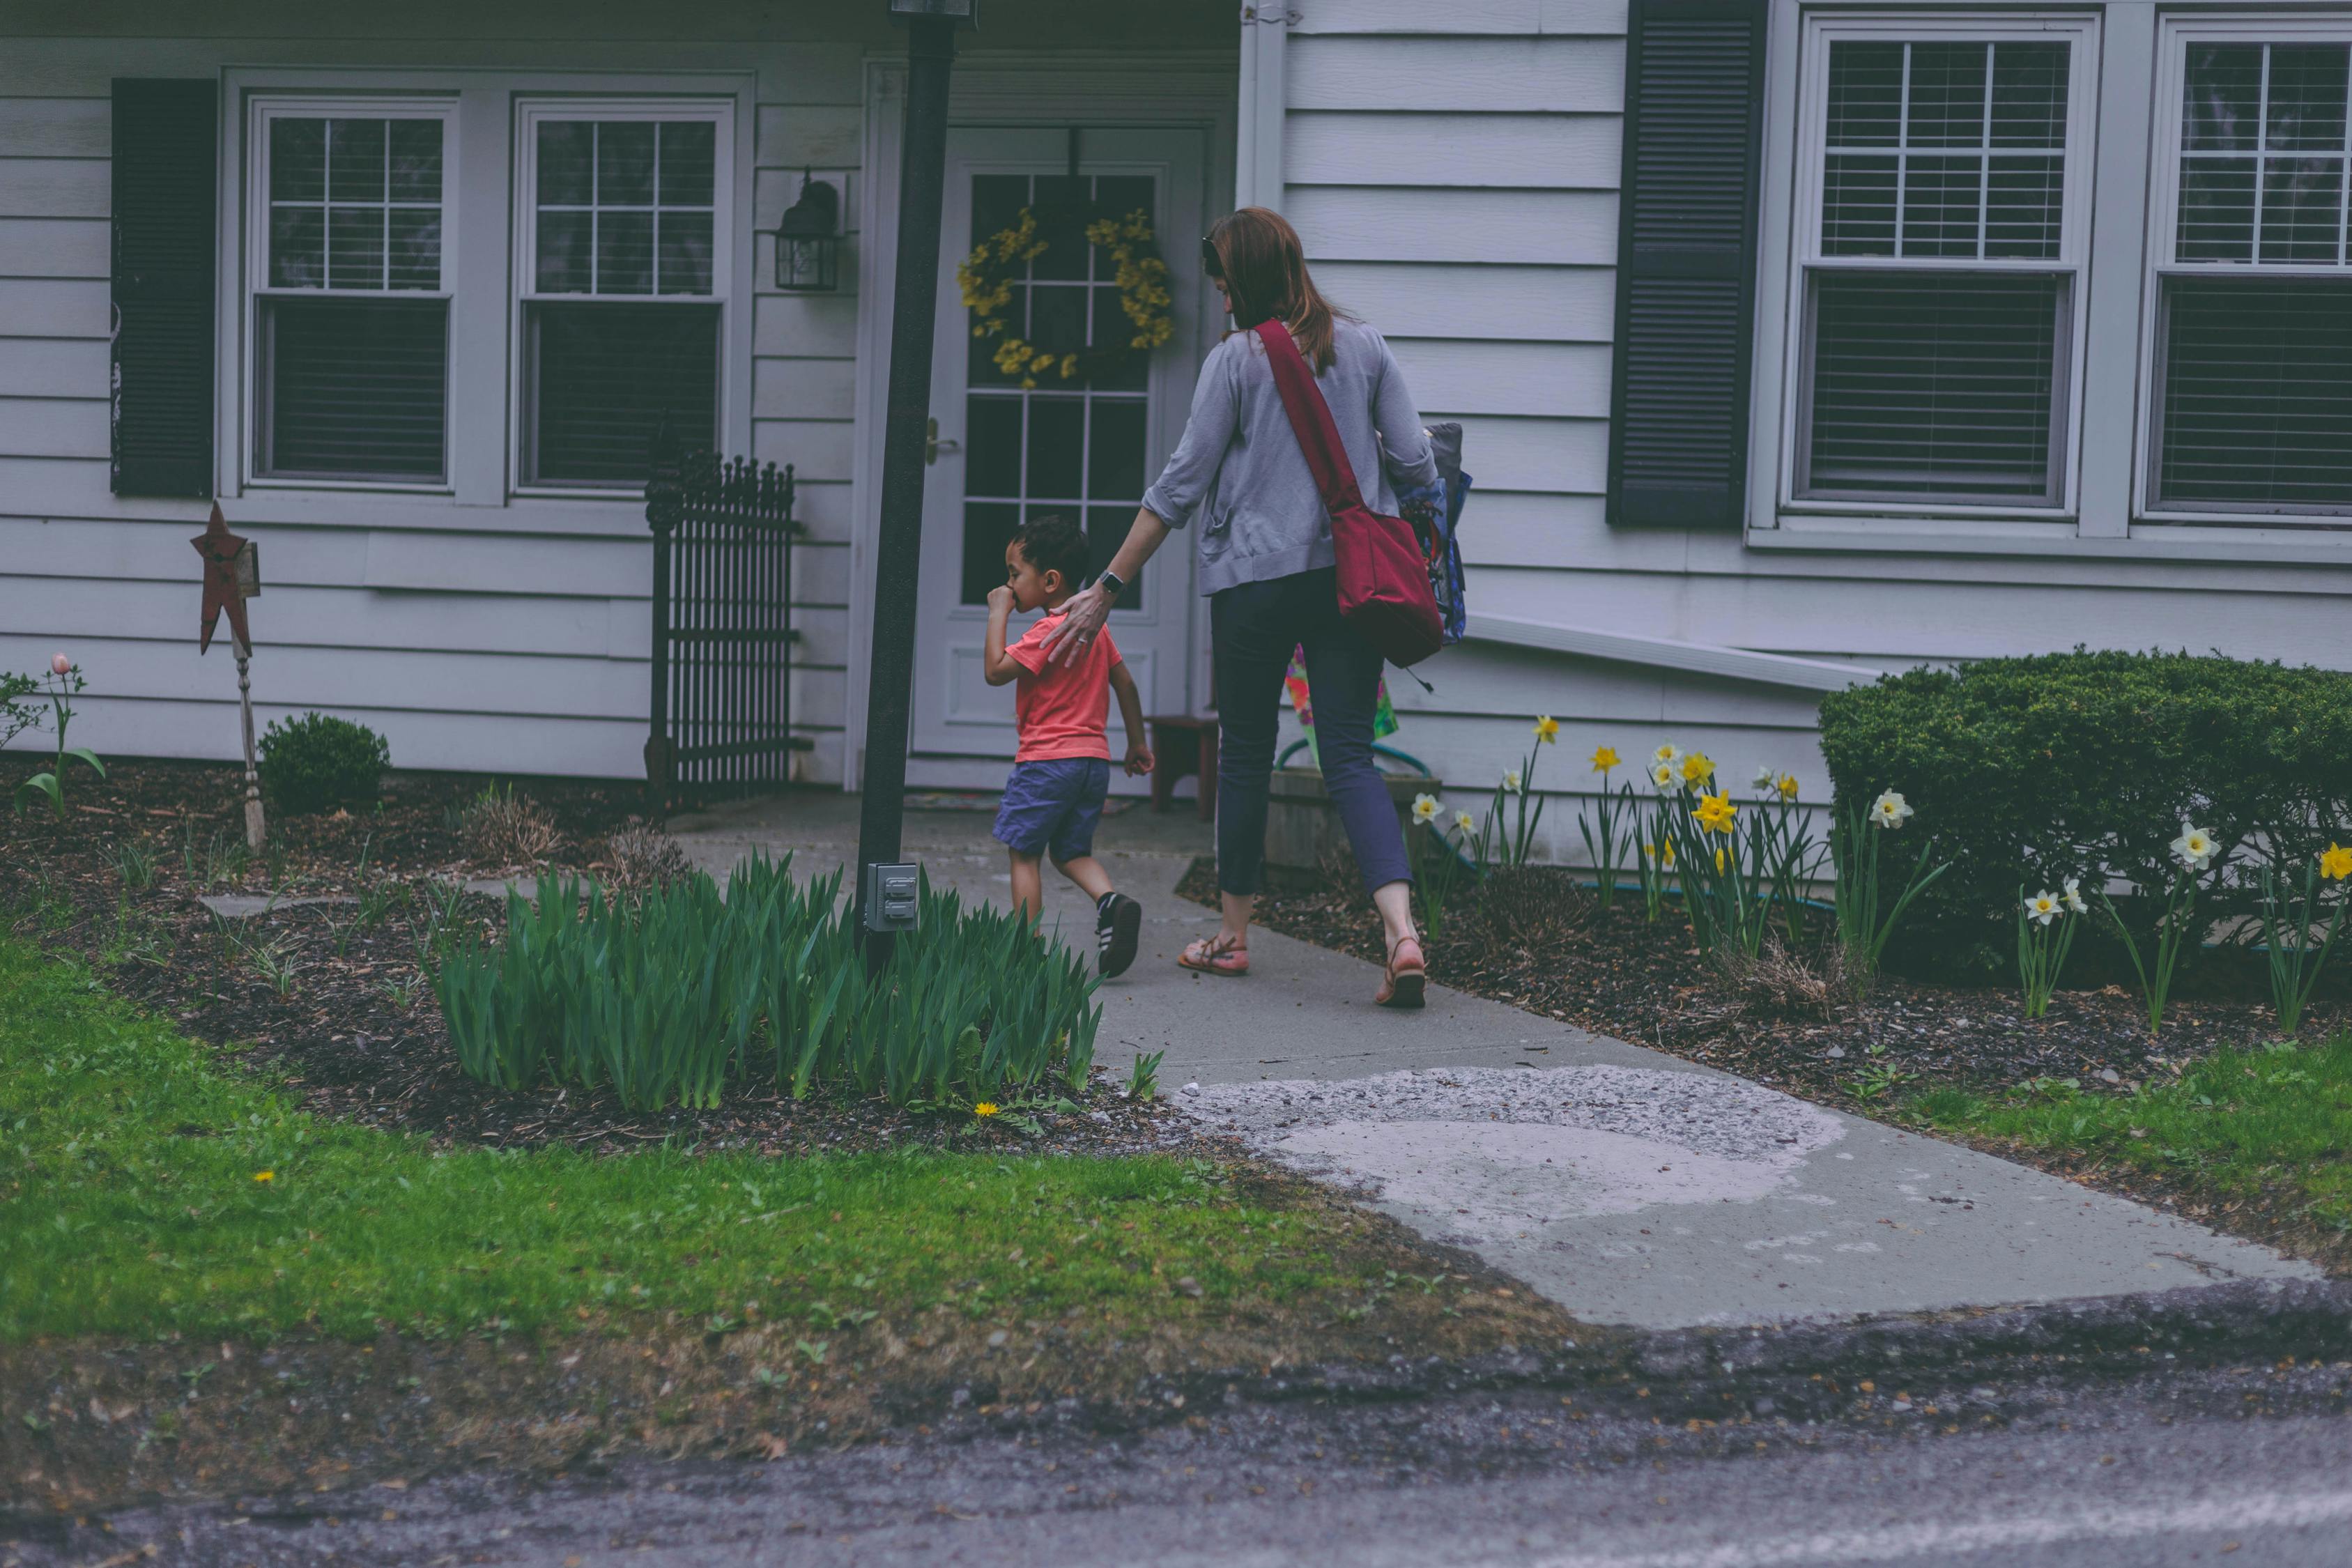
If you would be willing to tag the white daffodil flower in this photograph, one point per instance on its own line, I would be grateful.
(1766, 778)
(1665, 776)
(1669, 754)
(1424, 808)
(1511, 782)
(1462, 820)
(1890, 810)
(2195, 848)
(2044, 906)
(2074, 896)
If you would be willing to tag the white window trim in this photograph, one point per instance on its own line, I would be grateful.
(2082, 114)
(730, 212)
(254, 285)
(2174, 36)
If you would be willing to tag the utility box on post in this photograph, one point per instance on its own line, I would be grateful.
(892, 897)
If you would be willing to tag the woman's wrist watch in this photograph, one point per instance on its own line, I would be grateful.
(1112, 584)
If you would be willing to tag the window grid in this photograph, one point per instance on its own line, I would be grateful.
(2262, 155)
(596, 208)
(327, 205)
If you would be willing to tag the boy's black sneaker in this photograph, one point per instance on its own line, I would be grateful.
(1118, 923)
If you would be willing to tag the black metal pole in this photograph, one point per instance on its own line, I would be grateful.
(662, 508)
(898, 550)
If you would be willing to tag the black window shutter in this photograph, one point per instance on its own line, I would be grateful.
(1686, 263)
(166, 183)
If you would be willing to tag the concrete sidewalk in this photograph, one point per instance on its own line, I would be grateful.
(1629, 1186)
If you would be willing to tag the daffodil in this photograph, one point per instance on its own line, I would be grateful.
(1462, 820)
(1718, 860)
(1603, 759)
(985, 1108)
(1424, 808)
(2074, 893)
(1669, 753)
(1766, 775)
(1787, 784)
(2195, 848)
(2044, 906)
(1890, 810)
(1512, 784)
(1714, 812)
(1698, 769)
(1663, 775)
(1547, 730)
(2335, 863)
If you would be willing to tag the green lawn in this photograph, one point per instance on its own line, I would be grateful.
(146, 1190)
(2271, 1125)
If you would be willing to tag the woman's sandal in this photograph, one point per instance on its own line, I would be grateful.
(1217, 955)
(1407, 981)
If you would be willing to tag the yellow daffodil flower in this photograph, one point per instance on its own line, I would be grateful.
(1547, 729)
(2335, 863)
(1698, 769)
(1603, 759)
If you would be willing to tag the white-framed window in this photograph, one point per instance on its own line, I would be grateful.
(351, 249)
(1941, 228)
(2249, 350)
(623, 279)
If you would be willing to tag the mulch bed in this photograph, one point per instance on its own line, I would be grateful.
(1539, 942)
(330, 997)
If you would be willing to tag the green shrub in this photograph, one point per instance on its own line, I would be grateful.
(684, 993)
(317, 763)
(2085, 765)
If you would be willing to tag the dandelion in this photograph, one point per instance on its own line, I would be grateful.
(1424, 808)
(1698, 769)
(1787, 784)
(985, 1108)
(1547, 730)
(2074, 893)
(1670, 754)
(2195, 848)
(1890, 810)
(1603, 759)
(1714, 812)
(59, 664)
(1663, 775)
(1462, 820)
(1511, 781)
(2335, 863)
(264, 1176)
(2044, 906)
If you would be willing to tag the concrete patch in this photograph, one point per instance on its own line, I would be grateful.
(245, 906)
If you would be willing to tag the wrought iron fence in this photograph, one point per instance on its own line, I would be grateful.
(721, 708)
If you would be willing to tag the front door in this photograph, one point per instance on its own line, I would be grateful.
(1083, 447)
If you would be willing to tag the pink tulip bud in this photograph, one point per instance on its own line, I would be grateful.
(60, 663)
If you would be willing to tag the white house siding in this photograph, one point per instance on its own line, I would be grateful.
(501, 639)
(1452, 171)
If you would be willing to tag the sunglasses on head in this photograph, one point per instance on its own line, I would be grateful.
(1209, 263)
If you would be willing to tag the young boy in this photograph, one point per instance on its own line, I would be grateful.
(1061, 774)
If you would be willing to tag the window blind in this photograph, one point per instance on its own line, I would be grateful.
(2257, 402)
(1935, 385)
(353, 387)
(606, 374)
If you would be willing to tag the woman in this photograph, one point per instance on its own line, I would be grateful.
(1266, 565)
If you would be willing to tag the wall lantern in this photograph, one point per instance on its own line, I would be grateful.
(808, 240)
(962, 12)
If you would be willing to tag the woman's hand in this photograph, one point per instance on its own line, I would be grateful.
(1082, 615)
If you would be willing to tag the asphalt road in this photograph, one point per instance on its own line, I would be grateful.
(2248, 1467)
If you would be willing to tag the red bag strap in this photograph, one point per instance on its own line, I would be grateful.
(1310, 420)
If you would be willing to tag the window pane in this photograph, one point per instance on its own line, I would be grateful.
(417, 247)
(689, 162)
(1120, 194)
(355, 159)
(624, 163)
(2029, 94)
(2216, 210)
(1059, 205)
(298, 247)
(567, 162)
(603, 377)
(1858, 205)
(1057, 316)
(987, 529)
(415, 160)
(297, 160)
(1935, 385)
(354, 388)
(1940, 202)
(2257, 398)
(355, 247)
(2306, 97)
(685, 252)
(2221, 98)
(1947, 95)
(2023, 213)
(1112, 325)
(625, 252)
(996, 202)
(2302, 208)
(992, 447)
(1057, 446)
(1114, 452)
(565, 240)
(1866, 99)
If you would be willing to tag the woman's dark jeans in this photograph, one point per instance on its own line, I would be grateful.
(1253, 627)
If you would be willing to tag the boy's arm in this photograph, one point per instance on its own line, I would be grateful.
(994, 663)
(1130, 715)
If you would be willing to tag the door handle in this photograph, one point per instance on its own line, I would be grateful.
(934, 446)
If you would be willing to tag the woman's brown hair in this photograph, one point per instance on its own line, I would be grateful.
(1264, 269)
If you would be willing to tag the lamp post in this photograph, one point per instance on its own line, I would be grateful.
(931, 27)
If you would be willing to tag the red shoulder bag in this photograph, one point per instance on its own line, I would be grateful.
(1384, 589)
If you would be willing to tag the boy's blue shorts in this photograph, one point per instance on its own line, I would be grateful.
(1052, 807)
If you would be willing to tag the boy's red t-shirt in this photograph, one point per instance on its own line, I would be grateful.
(1061, 709)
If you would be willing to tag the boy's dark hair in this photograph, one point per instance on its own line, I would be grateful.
(1054, 543)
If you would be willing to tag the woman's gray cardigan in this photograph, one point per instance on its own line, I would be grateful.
(1239, 471)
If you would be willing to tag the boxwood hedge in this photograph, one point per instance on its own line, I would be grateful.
(2032, 770)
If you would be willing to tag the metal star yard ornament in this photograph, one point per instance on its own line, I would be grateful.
(232, 574)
